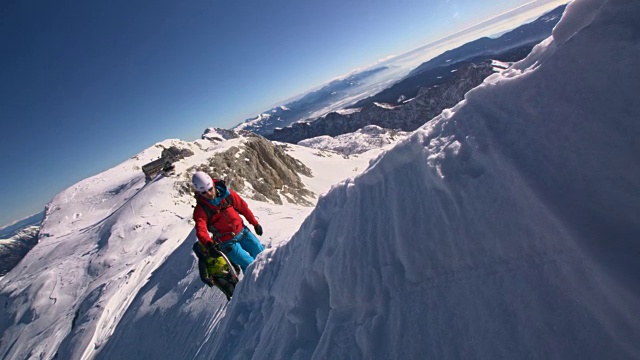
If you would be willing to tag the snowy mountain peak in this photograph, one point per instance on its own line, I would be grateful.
(365, 139)
(219, 134)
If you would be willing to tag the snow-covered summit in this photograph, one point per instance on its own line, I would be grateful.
(219, 134)
(257, 122)
(368, 138)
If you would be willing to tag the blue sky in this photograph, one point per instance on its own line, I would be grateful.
(88, 84)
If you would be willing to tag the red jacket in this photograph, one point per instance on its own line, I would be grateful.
(227, 221)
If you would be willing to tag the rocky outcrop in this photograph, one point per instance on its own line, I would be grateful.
(261, 171)
(428, 103)
(219, 134)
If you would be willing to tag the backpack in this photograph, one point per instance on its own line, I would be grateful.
(214, 269)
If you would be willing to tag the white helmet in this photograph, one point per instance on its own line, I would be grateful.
(201, 181)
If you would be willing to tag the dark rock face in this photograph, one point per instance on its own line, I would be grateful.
(428, 103)
(174, 153)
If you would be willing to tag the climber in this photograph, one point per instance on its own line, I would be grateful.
(218, 212)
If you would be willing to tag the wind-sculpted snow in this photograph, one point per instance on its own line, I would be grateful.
(506, 228)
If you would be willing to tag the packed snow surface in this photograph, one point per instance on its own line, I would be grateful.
(505, 228)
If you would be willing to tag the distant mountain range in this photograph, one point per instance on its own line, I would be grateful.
(441, 75)
(511, 46)
(12, 229)
(428, 103)
(430, 88)
(351, 92)
(308, 105)
(523, 35)
(17, 239)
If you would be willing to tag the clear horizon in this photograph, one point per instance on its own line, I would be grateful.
(89, 85)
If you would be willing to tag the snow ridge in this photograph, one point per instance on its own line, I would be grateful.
(505, 228)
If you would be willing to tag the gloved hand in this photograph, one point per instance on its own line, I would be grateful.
(211, 249)
(258, 229)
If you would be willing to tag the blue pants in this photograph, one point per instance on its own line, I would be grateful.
(243, 249)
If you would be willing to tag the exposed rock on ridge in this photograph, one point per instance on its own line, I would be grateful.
(218, 134)
(261, 171)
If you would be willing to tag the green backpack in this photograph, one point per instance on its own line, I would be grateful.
(214, 270)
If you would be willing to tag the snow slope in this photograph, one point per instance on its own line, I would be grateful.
(506, 228)
(114, 246)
